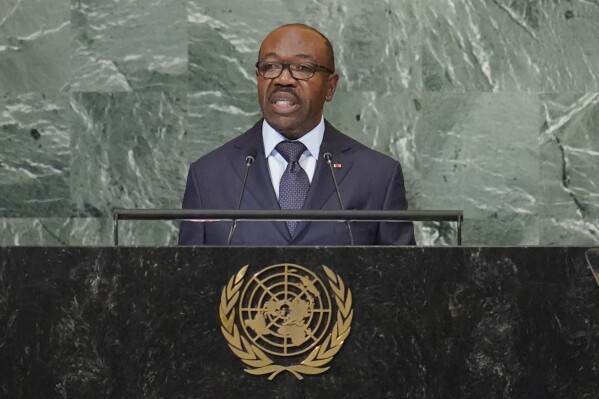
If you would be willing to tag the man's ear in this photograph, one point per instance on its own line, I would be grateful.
(331, 86)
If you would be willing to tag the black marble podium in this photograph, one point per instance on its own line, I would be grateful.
(428, 323)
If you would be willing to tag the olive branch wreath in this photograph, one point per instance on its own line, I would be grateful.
(257, 360)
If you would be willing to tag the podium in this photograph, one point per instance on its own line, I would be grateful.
(445, 322)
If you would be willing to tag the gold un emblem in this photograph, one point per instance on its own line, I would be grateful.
(280, 319)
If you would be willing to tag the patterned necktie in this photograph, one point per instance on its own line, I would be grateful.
(294, 182)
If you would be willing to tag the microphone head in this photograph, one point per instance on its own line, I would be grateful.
(250, 157)
(326, 151)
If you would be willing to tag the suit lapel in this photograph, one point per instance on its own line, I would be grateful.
(259, 184)
(323, 187)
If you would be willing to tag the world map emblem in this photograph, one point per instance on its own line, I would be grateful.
(285, 318)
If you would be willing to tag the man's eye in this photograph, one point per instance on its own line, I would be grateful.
(268, 67)
(304, 68)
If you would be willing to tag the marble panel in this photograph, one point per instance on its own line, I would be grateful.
(34, 46)
(128, 45)
(127, 152)
(479, 153)
(35, 231)
(34, 156)
(100, 231)
(436, 233)
(213, 118)
(569, 42)
(91, 231)
(480, 46)
(385, 121)
(377, 43)
(569, 151)
(569, 231)
(85, 231)
(507, 229)
(148, 233)
(223, 47)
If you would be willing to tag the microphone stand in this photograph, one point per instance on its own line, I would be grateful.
(248, 162)
(327, 156)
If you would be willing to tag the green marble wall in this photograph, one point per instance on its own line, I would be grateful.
(491, 106)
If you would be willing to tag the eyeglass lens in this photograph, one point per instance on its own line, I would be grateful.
(272, 70)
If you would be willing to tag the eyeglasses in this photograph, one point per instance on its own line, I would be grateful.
(299, 70)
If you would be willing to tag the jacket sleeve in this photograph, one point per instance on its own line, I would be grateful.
(191, 232)
(396, 233)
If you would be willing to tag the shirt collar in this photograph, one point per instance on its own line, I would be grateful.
(312, 140)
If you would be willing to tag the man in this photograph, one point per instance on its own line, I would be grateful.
(296, 75)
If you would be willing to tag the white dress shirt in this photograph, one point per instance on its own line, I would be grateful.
(277, 164)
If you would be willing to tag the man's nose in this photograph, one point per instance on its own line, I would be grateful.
(285, 78)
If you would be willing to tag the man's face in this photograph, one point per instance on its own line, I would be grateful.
(294, 107)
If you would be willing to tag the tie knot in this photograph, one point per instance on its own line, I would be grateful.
(291, 150)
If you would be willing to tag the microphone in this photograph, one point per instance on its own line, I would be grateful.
(329, 158)
(249, 160)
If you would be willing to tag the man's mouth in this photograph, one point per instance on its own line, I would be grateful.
(284, 102)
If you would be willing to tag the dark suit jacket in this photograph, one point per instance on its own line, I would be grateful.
(367, 180)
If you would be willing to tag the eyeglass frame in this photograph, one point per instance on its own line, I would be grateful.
(286, 65)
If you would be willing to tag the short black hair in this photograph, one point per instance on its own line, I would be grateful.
(326, 40)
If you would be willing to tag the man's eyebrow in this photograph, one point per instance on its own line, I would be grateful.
(305, 56)
(268, 55)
